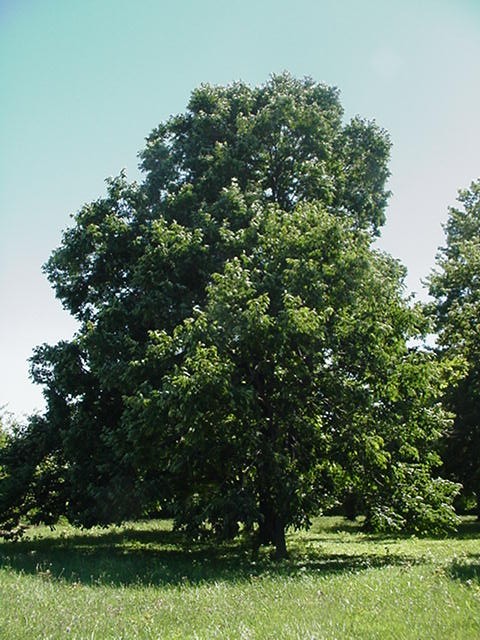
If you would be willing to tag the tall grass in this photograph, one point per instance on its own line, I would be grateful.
(139, 581)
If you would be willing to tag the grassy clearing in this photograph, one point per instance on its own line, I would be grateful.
(137, 581)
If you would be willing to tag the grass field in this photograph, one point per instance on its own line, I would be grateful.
(137, 581)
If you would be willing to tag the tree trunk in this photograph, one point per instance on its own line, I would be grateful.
(272, 530)
(350, 506)
(279, 540)
(265, 529)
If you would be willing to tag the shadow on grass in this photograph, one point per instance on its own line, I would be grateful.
(132, 556)
(466, 570)
(156, 556)
(468, 529)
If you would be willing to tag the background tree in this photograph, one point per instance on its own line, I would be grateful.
(3, 432)
(455, 285)
(242, 349)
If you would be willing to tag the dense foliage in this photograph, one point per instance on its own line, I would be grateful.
(455, 285)
(242, 356)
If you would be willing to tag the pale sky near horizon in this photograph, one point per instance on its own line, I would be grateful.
(83, 83)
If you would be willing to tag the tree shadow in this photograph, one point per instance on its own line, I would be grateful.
(466, 570)
(131, 556)
(468, 529)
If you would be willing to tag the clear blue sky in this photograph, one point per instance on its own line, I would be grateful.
(83, 82)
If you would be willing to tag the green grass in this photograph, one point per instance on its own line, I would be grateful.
(137, 581)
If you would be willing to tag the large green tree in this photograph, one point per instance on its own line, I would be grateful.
(455, 285)
(242, 352)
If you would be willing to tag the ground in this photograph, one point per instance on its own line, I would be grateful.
(138, 581)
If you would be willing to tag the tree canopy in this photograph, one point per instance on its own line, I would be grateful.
(243, 354)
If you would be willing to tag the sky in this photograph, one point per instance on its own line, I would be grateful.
(82, 83)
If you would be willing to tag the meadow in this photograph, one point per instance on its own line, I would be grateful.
(140, 581)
